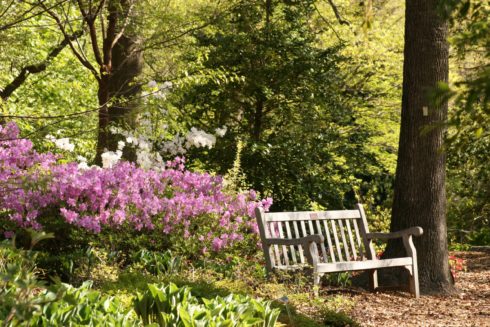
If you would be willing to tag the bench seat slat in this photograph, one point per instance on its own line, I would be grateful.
(364, 265)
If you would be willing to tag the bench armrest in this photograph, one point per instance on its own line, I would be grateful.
(415, 231)
(317, 238)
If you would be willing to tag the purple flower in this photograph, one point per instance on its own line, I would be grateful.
(8, 234)
(70, 216)
(173, 200)
(217, 244)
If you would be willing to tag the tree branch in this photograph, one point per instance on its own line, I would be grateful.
(126, 22)
(337, 14)
(36, 68)
(80, 58)
(23, 18)
(90, 20)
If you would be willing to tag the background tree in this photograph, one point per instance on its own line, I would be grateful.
(117, 59)
(290, 105)
(469, 136)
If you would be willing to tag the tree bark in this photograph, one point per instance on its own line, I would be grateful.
(118, 91)
(420, 195)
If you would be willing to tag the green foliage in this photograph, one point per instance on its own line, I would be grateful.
(158, 263)
(468, 188)
(301, 139)
(342, 279)
(24, 301)
(339, 319)
(171, 305)
(18, 284)
(82, 306)
(480, 236)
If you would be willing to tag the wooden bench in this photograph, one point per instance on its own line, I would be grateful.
(331, 241)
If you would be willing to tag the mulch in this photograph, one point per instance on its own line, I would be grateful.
(470, 307)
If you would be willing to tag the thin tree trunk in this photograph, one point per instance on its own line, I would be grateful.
(118, 96)
(104, 119)
(257, 120)
(420, 195)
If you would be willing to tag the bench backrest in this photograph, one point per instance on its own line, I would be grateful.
(344, 232)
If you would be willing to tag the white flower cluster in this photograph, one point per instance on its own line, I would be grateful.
(221, 131)
(63, 143)
(199, 138)
(175, 146)
(110, 158)
(157, 91)
(145, 157)
(82, 163)
(194, 138)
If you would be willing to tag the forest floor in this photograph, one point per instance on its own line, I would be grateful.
(470, 307)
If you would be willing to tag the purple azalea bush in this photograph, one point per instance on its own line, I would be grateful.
(181, 204)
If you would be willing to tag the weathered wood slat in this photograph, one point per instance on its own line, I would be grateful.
(344, 243)
(351, 239)
(329, 241)
(336, 238)
(311, 229)
(364, 265)
(284, 247)
(305, 215)
(358, 238)
(303, 228)
(276, 247)
(292, 247)
(300, 248)
(322, 246)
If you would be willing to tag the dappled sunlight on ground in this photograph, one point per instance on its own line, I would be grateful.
(471, 307)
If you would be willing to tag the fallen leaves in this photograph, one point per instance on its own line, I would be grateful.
(471, 307)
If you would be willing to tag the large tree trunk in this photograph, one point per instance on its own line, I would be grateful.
(420, 195)
(118, 95)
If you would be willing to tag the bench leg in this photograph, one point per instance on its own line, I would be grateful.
(316, 283)
(414, 281)
(414, 272)
(373, 279)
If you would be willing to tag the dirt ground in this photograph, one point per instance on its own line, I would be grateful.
(471, 307)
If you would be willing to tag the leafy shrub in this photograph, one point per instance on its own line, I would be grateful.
(68, 306)
(171, 305)
(480, 237)
(38, 189)
(158, 263)
(18, 285)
